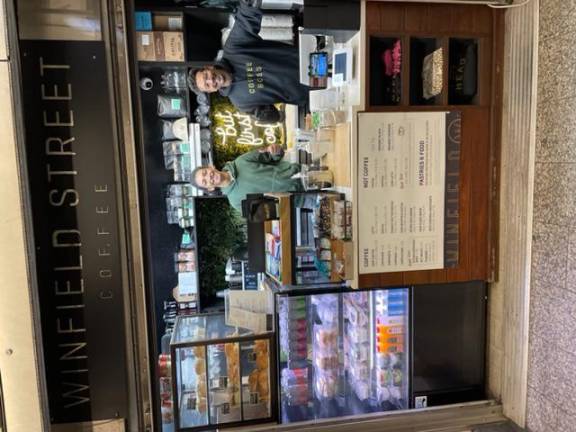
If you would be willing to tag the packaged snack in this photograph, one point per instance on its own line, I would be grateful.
(167, 411)
(383, 394)
(326, 337)
(325, 385)
(171, 106)
(383, 377)
(165, 388)
(326, 361)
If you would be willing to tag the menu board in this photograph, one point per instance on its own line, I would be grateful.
(401, 191)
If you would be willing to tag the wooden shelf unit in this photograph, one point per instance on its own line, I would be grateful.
(481, 123)
(285, 218)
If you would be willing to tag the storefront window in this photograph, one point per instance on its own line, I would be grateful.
(60, 20)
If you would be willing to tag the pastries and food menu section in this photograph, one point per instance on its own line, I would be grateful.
(343, 354)
(219, 379)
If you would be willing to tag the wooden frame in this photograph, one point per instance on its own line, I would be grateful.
(205, 343)
(479, 160)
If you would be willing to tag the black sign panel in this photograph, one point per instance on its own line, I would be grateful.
(71, 164)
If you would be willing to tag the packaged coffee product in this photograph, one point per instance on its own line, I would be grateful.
(171, 106)
(175, 129)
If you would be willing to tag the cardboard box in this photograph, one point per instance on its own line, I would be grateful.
(174, 46)
(169, 46)
(145, 46)
(143, 21)
(168, 22)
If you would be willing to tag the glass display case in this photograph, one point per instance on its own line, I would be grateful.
(300, 244)
(221, 375)
(343, 353)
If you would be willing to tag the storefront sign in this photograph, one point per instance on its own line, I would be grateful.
(71, 156)
(402, 192)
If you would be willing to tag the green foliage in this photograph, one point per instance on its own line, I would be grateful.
(220, 230)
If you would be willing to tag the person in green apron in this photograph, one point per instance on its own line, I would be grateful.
(258, 171)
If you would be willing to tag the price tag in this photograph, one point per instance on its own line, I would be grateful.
(145, 39)
(254, 398)
(225, 408)
(219, 383)
(191, 403)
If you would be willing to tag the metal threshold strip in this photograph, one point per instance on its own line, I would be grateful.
(450, 418)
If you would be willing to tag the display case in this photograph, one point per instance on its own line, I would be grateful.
(301, 244)
(222, 376)
(343, 353)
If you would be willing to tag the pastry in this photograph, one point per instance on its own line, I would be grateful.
(201, 388)
(263, 387)
(261, 346)
(326, 338)
(253, 380)
(231, 350)
(233, 373)
(199, 351)
(262, 361)
(200, 366)
(202, 405)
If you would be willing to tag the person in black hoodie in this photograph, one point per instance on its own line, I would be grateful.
(253, 73)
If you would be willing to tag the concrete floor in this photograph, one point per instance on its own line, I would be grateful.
(552, 358)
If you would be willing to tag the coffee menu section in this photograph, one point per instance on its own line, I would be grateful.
(401, 191)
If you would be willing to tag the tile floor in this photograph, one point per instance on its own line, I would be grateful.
(552, 357)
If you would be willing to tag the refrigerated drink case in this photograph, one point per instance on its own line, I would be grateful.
(343, 353)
